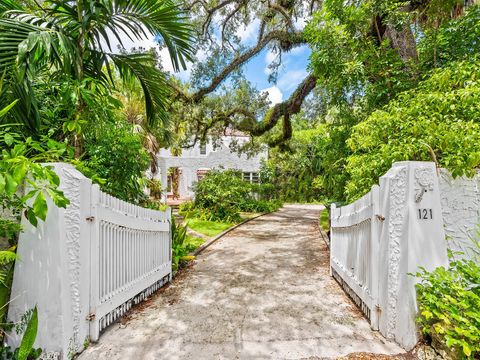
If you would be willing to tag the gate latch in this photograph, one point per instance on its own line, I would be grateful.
(90, 218)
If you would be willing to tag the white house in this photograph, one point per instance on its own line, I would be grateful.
(194, 162)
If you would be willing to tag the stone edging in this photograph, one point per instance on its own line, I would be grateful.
(222, 234)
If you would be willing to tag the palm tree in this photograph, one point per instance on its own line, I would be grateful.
(73, 39)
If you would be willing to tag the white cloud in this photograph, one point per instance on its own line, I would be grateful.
(291, 79)
(297, 50)
(301, 22)
(270, 56)
(249, 32)
(275, 96)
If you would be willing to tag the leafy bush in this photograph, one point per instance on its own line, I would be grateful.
(439, 120)
(115, 157)
(20, 165)
(314, 168)
(455, 40)
(449, 305)
(28, 325)
(219, 194)
(222, 195)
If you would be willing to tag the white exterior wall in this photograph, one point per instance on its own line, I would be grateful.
(53, 270)
(215, 158)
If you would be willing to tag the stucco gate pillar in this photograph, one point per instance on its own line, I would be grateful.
(412, 235)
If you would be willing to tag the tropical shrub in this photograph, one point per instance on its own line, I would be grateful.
(438, 121)
(449, 305)
(24, 183)
(313, 169)
(115, 157)
(219, 194)
(453, 41)
(222, 195)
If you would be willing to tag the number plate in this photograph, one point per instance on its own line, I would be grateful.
(425, 214)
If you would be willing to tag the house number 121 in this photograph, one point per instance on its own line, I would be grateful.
(425, 214)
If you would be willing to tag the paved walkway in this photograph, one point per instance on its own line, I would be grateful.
(261, 292)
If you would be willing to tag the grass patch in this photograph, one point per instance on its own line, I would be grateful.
(248, 215)
(208, 228)
(324, 224)
(193, 243)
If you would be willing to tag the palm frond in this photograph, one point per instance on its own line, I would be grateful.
(142, 19)
(7, 5)
(24, 44)
(142, 67)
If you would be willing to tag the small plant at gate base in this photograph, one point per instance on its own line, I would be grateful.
(449, 305)
(179, 244)
(28, 325)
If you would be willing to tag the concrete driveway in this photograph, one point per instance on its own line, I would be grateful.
(261, 292)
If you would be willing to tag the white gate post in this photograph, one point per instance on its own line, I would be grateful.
(52, 272)
(333, 209)
(94, 263)
(374, 255)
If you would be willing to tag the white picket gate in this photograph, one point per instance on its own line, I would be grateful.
(354, 250)
(130, 257)
(86, 265)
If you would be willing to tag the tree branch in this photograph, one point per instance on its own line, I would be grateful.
(286, 108)
(292, 38)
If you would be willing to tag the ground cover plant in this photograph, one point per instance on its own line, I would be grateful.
(449, 305)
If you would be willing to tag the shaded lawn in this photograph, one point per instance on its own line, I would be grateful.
(208, 228)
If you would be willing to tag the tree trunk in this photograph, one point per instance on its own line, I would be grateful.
(403, 41)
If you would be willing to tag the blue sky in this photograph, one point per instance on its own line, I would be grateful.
(292, 71)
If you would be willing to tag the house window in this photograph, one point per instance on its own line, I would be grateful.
(251, 177)
(203, 148)
(201, 173)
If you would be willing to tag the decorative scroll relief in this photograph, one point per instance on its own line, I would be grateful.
(71, 187)
(460, 200)
(424, 180)
(398, 198)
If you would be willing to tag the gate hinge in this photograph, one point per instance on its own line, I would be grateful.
(90, 218)
(90, 317)
(380, 217)
(378, 309)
